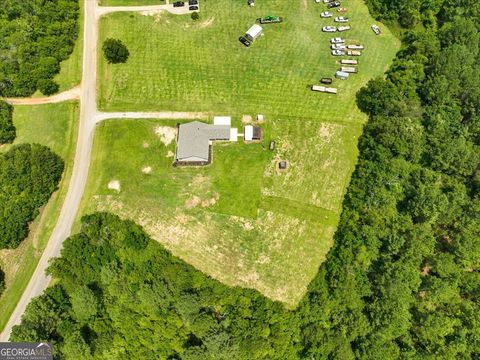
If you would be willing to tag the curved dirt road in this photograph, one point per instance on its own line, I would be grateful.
(72, 94)
(89, 116)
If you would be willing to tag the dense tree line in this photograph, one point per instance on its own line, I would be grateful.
(402, 280)
(121, 295)
(35, 36)
(2, 281)
(7, 129)
(29, 174)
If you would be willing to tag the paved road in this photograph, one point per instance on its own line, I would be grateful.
(89, 116)
(72, 94)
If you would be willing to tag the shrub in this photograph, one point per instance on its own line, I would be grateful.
(195, 16)
(48, 86)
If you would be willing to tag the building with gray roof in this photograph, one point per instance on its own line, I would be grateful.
(195, 139)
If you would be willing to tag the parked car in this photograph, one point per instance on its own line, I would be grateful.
(338, 47)
(178, 4)
(344, 28)
(193, 8)
(337, 40)
(329, 29)
(333, 4)
(327, 81)
(341, 19)
(338, 52)
(326, 14)
(376, 29)
(192, 2)
(244, 41)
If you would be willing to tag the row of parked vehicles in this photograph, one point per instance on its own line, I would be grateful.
(192, 4)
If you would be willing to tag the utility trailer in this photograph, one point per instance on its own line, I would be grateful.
(270, 19)
(324, 89)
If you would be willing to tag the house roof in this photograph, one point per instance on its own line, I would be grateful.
(194, 140)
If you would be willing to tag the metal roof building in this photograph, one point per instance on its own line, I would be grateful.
(194, 141)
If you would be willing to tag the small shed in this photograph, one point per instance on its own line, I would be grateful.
(260, 117)
(257, 133)
(282, 164)
(254, 32)
(342, 75)
(248, 133)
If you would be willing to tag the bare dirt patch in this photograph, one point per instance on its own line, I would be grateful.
(114, 185)
(246, 119)
(169, 154)
(210, 202)
(166, 133)
(146, 145)
(206, 23)
(193, 202)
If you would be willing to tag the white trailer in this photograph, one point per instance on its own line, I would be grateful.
(353, 53)
(349, 62)
(254, 32)
(355, 47)
(342, 75)
(349, 69)
(324, 89)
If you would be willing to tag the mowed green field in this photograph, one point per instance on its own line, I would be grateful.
(177, 64)
(240, 219)
(55, 126)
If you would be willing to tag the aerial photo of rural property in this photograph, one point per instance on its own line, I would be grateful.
(239, 179)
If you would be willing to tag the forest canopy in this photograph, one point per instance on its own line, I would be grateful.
(35, 36)
(7, 129)
(29, 174)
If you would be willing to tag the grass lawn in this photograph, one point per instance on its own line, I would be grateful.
(181, 65)
(55, 126)
(239, 220)
(71, 69)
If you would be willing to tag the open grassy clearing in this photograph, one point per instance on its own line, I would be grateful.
(236, 219)
(53, 125)
(71, 69)
(201, 66)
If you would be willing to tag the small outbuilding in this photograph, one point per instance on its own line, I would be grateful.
(257, 133)
(342, 75)
(282, 165)
(254, 32)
